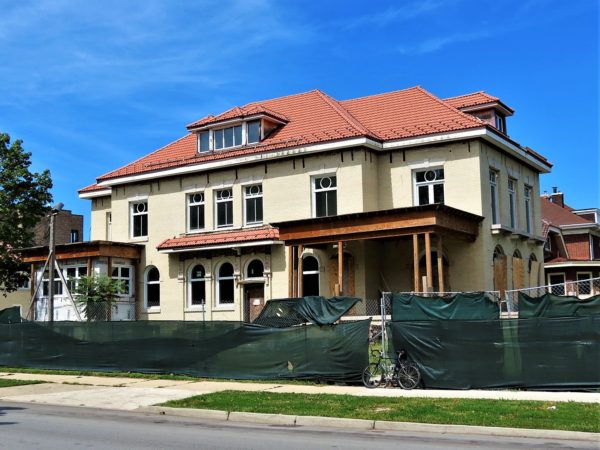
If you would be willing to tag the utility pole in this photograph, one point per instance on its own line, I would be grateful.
(52, 258)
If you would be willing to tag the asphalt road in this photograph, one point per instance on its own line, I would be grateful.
(30, 426)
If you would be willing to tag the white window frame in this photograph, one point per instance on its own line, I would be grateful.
(77, 276)
(120, 277)
(247, 276)
(153, 308)
(134, 213)
(74, 234)
(564, 281)
(191, 280)
(218, 280)
(528, 208)
(493, 177)
(430, 185)
(316, 189)
(232, 127)
(27, 284)
(57, 281)
(109, 225)
(312, 272)
(580, 282)
(221, 200)
(512, 202)
(260, 127)
(252, 196)
(192, 203)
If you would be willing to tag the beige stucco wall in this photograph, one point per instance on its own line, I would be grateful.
(365, 181)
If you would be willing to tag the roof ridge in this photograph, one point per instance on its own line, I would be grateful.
(471, 93)
(278, 98)
(143, 157)
(380, 94)
(343, 112)
(442, 102)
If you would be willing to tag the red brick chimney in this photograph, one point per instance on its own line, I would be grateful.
(557, 198)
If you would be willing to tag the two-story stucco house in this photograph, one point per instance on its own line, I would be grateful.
(306, 195)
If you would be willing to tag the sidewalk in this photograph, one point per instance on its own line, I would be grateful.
(133, 393)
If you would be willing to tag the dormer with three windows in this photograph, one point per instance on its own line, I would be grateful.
(487, 108)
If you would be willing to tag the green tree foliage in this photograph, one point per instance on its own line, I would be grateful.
(97, 293)
(24, 199)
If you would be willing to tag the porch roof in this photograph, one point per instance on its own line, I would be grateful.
(83, 250)
(390, 223)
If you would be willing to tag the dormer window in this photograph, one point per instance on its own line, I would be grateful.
(228, 137)
(204, 141)
(500, 122)
(253, 132)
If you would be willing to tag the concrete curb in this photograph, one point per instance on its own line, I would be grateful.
(363, 424)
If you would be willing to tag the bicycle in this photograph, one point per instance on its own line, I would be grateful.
(389, 371)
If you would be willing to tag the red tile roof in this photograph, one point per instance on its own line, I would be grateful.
(472, 99)
(313, 117)
(92, 188)
(266, 233)
(559, 216)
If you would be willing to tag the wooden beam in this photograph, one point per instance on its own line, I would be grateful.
(428, 262)
(341, 267)
(440, 264)
(415, 262)
(300, 280)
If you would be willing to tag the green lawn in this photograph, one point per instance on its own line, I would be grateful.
(10, 383)
(495, 413)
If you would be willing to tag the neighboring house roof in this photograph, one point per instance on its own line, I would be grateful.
(474, 99)
(315, 118)
(558, 216)
(220, 238)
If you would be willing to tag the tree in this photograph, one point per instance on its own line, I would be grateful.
(97, 293)
(24, 199)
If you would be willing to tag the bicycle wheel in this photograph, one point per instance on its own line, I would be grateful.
(409, 375)
(372, 376)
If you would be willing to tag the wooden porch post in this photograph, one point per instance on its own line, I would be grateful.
(290, 271)
(440, 264)
(428, 262)
(415, 262)
(300, 286)
(340, 268)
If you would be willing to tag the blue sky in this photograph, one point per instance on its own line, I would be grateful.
(90, 86)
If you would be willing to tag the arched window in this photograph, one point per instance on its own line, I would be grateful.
(152, 287)
(197, 295)
(517, 254)
(532, 257)
(310, 275)
(225, 284)
(498, 252)
(255, 269)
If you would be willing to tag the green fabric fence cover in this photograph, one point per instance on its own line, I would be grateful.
(206, 349)
(549, 305)
(471, 306)
(10, 315)
(548, 353)
(288, 312)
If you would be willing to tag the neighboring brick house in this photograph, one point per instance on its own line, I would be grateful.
(305, 194)
(572, 246)
(68, 227)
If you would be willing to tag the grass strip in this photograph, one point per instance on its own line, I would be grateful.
(570, 416)
(10, 383)
(147, 376)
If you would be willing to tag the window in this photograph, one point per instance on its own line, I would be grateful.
(204, 141)
(494, 195)
(429, 186)
(108, 226)
(310, 276)
(255, 269)
(225, 285)
(196, 211)
(152, 291)
(73, 274)
(197, 295)
(123, 274)
(512, 202)
(139, 219)
(500, 122)
(528, 212)
(46, 284)
(224, 207)
(253, 131)
(74, 236)
(26, 282)
(228, 137)
(557, 283)
(584, 285)
(254, 204)
(325, 196)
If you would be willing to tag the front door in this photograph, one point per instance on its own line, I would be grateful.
(254, 300)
